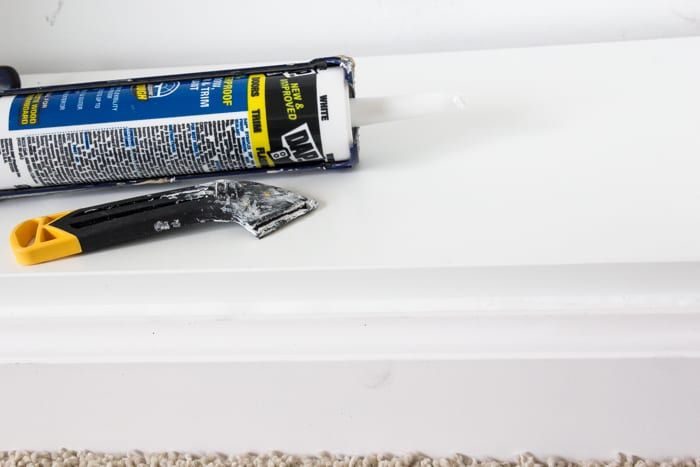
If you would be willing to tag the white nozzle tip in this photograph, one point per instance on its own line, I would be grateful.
(366, 111)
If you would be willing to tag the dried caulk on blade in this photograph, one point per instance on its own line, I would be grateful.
(211, 123)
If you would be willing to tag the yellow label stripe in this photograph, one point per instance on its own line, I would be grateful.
(257, 121)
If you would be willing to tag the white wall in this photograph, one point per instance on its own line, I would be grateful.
(65, 35)
(574, 407)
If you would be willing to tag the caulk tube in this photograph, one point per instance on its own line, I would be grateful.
(283, 117)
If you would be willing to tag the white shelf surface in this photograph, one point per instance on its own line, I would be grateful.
(554, 224)
(569, 185)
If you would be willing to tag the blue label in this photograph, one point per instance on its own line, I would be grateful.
(127, 103)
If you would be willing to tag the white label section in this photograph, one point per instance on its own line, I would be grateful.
(334, 113)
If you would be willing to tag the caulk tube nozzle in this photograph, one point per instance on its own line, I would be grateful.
(369, 110)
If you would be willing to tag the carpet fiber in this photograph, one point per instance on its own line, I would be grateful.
(136, 458)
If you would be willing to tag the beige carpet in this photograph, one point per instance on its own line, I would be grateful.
(136, 458)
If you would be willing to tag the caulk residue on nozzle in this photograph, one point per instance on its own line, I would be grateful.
(369, 110)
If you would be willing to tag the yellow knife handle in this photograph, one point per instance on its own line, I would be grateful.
(37, 240)
(88, 229)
